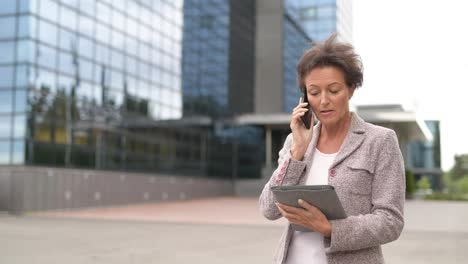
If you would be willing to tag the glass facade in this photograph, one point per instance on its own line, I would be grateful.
(295, 42)
(426, 154)
(218, 78)
(206, 58)
(79, 76)
(110, 84)
(320, 18)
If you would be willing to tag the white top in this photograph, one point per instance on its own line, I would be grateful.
(307, 247)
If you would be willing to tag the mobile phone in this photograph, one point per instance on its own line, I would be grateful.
(307, 116)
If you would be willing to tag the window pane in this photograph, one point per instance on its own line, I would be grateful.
(104, 13)
(7, 30)
(86, 69)
(20, 101)
(102, 54)
(118, 20)
(22, 76)
(20, 126)
(27, 27)
(66, 84)
(67, 40)
(67, 18)
(117, 40)
(48, 10)
(27, 6)
(88, 6)
(86, 26)
(6, 73)
(7, 51)
(86, 48)
(5, 126)
(47, 79)
(47, 33)
(102, 33)
(47, 57)
(4, 150)
(117, 59)
(116, 80)
(132, 46)
(6, 105)
(18, 152)
(7, 7)
(25, 51)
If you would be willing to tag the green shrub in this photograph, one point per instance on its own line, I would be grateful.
(424, 184)
(461, 185)
(447, 197)
(410, 183)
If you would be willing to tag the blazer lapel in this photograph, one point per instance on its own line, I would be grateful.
(353, 140)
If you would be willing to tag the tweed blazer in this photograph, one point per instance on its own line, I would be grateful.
(369, 178)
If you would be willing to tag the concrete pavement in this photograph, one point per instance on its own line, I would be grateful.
(206, 231)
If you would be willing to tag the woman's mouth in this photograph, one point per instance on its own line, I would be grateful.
(326, 112)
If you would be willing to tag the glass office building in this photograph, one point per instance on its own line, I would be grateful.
(425, 155)
(113, 85)
(218, 81)
(320, 18)
(295, 42)
(76, 75)
(206, 58)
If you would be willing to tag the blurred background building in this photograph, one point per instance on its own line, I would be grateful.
(107, 102)
(320, 18)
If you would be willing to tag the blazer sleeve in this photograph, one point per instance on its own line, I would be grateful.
(385, 222)
(288, 172)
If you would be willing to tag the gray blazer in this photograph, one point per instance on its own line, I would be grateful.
(369, 178)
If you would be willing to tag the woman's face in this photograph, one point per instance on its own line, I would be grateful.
(328, 94)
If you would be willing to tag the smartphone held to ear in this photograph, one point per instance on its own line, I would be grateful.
(306, 118)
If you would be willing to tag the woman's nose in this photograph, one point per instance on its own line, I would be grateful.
(324, 100)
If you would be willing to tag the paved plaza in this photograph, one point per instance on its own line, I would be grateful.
(220, 230)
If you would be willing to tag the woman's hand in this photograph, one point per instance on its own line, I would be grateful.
(301, 135)
(308, 216)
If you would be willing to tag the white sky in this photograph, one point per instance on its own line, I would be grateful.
(415, 52)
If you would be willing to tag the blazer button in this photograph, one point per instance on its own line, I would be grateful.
(332, 172)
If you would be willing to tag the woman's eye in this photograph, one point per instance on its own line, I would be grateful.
(314, 94)
(334, 91)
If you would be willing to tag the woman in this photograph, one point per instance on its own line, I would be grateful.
(362, 161)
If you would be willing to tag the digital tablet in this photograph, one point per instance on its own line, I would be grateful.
(323, 197)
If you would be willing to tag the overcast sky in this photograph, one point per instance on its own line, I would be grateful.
(416, 53)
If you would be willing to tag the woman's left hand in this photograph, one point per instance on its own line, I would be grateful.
(308, 216)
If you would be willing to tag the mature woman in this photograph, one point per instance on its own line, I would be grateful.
(362, 161)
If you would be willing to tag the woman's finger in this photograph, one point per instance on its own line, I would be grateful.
(307, 206)
(301, 105)
(300, 110)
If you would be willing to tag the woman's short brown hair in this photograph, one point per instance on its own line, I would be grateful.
(331, 53)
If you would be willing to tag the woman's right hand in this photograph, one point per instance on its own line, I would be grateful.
(301, 135)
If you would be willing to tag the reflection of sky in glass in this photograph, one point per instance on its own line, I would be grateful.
(7, 30)
(8, 7)
(206, 57)
(6, 73)
(6, 101)
(18, 152)
(7, 53)
(5, 126)
(317, 17)
(294, 43)
(20, 101)
(4, 151)
(119, 38)
(19, 130)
